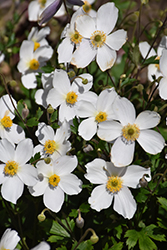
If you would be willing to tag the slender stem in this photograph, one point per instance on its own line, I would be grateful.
(83, 237)
(111, 79)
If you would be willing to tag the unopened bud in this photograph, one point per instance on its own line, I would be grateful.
(50, 109)
(12, 83)
(47, 160)
(41, 217)
(143, 182)
(25, 111)
(140, 87)
(87, 148)
(84, 81)
(94, 238)
(71, 73)
(79, 220)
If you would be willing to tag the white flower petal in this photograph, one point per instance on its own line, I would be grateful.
(109, 130)
(6, 107)
(43, 53)
(53, 198)
(55, 98)
(83, 55)
(85, 25)
(117, 39)
(29, 80)
(24, 151)
(105, 57)
(144, 48)
(33, 11)
(65, 51)
(12, 189)
(107, 16)
(70, 184)
(66, 112)
(61, 81)
(163, 62)
(87, 128)
(86, 109)
(39, 188)
(100, 198)
(147, 119)
(95, 171)
(124, 203)
(9, 239)
(2, 176)
(163, 88)
(122, 153)
(44, 133)
(133, 174)
(65, 165)
(85, 87)
(42, 246)
(28, 175)
(7, 151)
(153, 70)
(151, 141)
(15, 134)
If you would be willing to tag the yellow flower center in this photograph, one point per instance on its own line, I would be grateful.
(42, 3)
(34, 64)
(50, 147)
(101, 117)
(11, 168)
(54, 180)
(86, 7)
(6, 121)
(130, 132)
(71, 97)
(157, 65)
(98, 38)
(36, 45)
(76, 37)
(114, 184)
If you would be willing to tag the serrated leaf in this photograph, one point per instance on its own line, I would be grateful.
(119, 231)
(150, 230)
(85, 245)
(163, 202)
(39, 113)
(54, 238)
(145, 243)
(32, 122)
(132, 238)
(117, 246)
(59, 230)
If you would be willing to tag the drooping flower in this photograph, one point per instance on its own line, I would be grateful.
(14, 172)
(67, 95)
(114, 183)
(9, 239)
(97, 41)
(53, 144)
(8, 129)
(129, 129)
(97, 113)
(31, 62)
(55, 179)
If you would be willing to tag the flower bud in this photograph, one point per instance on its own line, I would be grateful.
(79, 220)
(25, 111)
(41, 217)
(71, 74)
(50, 109)
(94, 238)
(87, 148)
(84, 81)
(47, 160)
(143, 182)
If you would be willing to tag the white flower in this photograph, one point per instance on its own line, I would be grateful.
(14, 172)
(41, 94)
(42, 246)
(163, 82)
(86, 8)
(38, 37)
(97, 40)
(53, 144)
(128, 129)
(114, 183)
(9, 240)
(153, 69)
(2, 57)
(36, 7)
(97, 112)
(8, 129)
(68, 95)
(55, 180)
(71, 40)
(31, 61)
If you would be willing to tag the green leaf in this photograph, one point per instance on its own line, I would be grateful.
(119, 231)
(151, 60)
(117, 246)
(39, 113)
(61, 248)
(132, 238)
(145, 243)
(54, 238)
(53, 116)
(59, 230)
(85, 245)
(163, 202)
(32, 122)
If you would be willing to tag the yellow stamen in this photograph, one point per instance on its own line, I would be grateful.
(6, 121)
(36, 45)
(42, 3)
(86, 7)
(98, 38)
(130, 132)
(157, 65)
(71, 97)
(101, 117)
(54, 180)
(11, 168)
(114, 184)
(34, 64)
(50, 147)
(76, 37)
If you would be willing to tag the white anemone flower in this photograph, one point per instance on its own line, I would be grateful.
(96, 112)
(114, 183)
(86, 8)
(9, 240)
(31, 62)
(97, 40)
(163, 82)
(55, 180)
(129, 129)
(53, 144)
(8, 129)
(42, 246)
(153, 69)
(14, 172)
(39, 37)
(67, 95)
